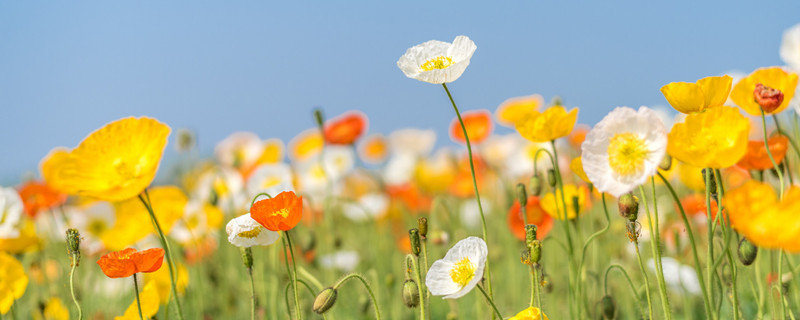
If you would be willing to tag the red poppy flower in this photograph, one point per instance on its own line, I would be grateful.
(38, 196)
(280, 213)
(536, 215)
(345, 129)
(124, 263)
(478, 124)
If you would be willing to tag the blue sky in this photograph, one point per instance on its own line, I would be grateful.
(67, 68)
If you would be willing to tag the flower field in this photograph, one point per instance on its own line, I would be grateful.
(639, 216)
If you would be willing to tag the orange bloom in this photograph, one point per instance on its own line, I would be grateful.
(38, 196)
(577, 135)
(757, 158)
(280, 213)
(410, 196)
(124, 263)
(478, 124)
(536, 215)
(345, 129)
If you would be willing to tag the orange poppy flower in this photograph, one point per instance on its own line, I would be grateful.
(478, 124)
(577, 135)
(410, 196)
(695, 206)
(124, 263)
(280, 213)
(345, 129)
(38, 196)
(757, 158)
(536, 215)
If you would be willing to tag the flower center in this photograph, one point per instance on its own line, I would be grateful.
(97, 227)
(462, 272)
(626, 153)
(440, 62)
(250, 234)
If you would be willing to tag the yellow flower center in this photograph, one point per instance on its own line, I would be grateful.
(462, 272)
(626, 153)
(270, 182)
(96, 227)
(250, 234)
(440, 62)
(282, 212)
(193, 222)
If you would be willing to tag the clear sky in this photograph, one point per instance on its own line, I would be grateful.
(67, 68)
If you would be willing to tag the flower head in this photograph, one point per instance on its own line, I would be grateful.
(13, 281)
(133, 220)
(345, 129)
(460, 269)
(757, 158)
(114, 163)
(245, 232)
(517, 109)
(536, 215)
(38, 196)
(756, 212)
(124, 263)
(624, 149)
(373, 149)
(744, 93)
(716, 138)
(687, 97)
(790, 47)
(552, 204)
(437, 62)
(553, 123)
(280, 213)
(532, 313)
(478, 124)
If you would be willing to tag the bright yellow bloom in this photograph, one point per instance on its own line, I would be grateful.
(773, 77)
(687, 97)
(55, 310)
(532, 313)
(13, 281)
(115, 163)
(306, 145)
(161, 280)
(576, 165)
(571, 192)
(691, 176)
(517, 109)
(716, 138)
(133, 221)
(150, 302)
(757, 214)
(553, 123)
(27, 240)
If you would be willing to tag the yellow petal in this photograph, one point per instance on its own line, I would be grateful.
(773, 77)
(715, 89)
(684, 96)
(149, 300)
(133, 221)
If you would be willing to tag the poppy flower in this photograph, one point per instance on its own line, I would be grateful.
(13, 281)
(280, 213)
(532, 313)
(774, 78)
(716, 138)
(553, 123)
(436, 61)
(345, 129)
(373, 149)
(37, 196)
(133, 220)
(245, 232)
(124, 263)
(790, 47)
(757, 158)
(306, 145)
(757, 213)
(114, 163)
(536, 215)
(478, 124)
(459, 271)
(689, 97)
(517, 109)
(552, 202)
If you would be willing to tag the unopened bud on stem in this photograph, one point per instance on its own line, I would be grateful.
(325, 300)
(413, 236)
(628, 206)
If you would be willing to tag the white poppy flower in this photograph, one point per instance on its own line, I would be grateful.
(271, 178)
(93, 220)
(223, 187)
(678, 276)
(338, 161)
(11, 209)
(497, 148)
(371, 205)
(471, 213)
(790, 47)
(245, 232)
(239, 150)
(399, 169)
(436, 61)
(194, 223)
(459, 271)
(624, 149)
(345, 261)
(412, 141)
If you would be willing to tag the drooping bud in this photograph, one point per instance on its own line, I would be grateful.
(535, 185)
(551, 177)
(522, 195)
(628, 206)
(325, 300)
(247, 257)
(747, 252)
(768, 98)
(423, 227)
(608, 307)
(665, 163)
(413, 235)
(74, 245)
(320, 119)
(410, 293)
(530, 234)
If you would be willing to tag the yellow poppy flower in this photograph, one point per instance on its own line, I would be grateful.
(571, 192)
(691, 176)
(115, 163)
(161, 280)
(716, 138)
(150, 302)
(55, 310)
(13, 281)
(532, 313)
(576, 165)
(26, 239)
(773, 77)
(517, 109)
(306, 144)
(757, 214)
(687, 97)
(553, 123)
(133, 221)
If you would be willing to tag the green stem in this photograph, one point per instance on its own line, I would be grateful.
(780, 282)
(588, 242)
(293, 274)
(646, 282)
(286, 296)
(769, 153)
(535, 286)
(415, 265)
(369, 290)
(252, 294)
(488, 298)
(136, 290)
(710, 252)
(654, 246)
(170, 262)
(71, 285)
(630, 283)
(258, 195)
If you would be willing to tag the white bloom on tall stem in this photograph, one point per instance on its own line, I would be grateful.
(10, 213)
(624, 149)
(459, 271)
(790, 47)
(437, 61)
(272, 178)
(244, 231)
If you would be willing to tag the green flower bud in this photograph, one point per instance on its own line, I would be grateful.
(535, 185)
(747, 252)
(413, 235)
(325, 300)
(665, 163)
(608, 307)
(536, 251)
(320, 119)
(410, 293)
(522, 194)
(423, 227)
(628, 206)
(185, 140)
(551, 177)
(247, 257)
(74, 245)
(530, 234)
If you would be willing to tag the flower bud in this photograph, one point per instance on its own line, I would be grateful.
(74, 245)
(410, 293)
(530, 234)
(665, 163)
(325, 300)
(535, 185)
(551, 177)
(536, 251)
(557, 101)
(522, 195)
(768, 98)
(423, 227)
(608, 307)
(413, 235)
(628, 206)
(320, 119)
(185, 140)
(747, 252)
(247, 257)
